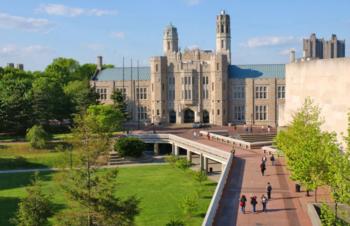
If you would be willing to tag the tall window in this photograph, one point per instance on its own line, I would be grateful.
(239, 113)
(281, 92)
(142, 113)
(102, 93)
(141, 93)
(238, 92)
(260, 92)
(261, 112)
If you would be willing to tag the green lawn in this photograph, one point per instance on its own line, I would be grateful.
(160, 189)
(21, 156)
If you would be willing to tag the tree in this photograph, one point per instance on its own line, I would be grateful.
(119, 103)
(35, 208)
(200, 176)
(37, 137)
(129, 146)
(81, 95)
(64, 70)
(190, 205)
(92, 192)
(15, 101)
(306, 147)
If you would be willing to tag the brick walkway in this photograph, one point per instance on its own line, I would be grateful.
(286, 208)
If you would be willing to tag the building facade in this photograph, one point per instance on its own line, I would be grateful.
(314, 48)
(197, 85)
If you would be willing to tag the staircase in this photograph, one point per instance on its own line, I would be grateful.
(262, 137)
(114, 159)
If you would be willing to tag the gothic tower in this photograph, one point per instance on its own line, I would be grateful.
(223, 35)
(170, 40)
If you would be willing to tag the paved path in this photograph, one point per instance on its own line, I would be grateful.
(245, 178)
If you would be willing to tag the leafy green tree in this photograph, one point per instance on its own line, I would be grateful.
(200, 176)
(35, 208)
(129, 146)
(92, 192)
(15, 101)
(81, 95)
(37, 137)
(64, 70)
(49, 100)
(306, 147)
(119, 103)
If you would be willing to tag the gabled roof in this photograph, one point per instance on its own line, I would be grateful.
(235, 71)
(116, 74)
(257, 71)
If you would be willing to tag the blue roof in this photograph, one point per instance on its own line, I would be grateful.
(235, 71)
(257, 71)
(116, 74)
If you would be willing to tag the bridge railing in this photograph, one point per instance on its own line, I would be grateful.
(228, 140)
(217, 196)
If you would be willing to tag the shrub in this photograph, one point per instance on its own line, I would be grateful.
(37, 137)
(200, 176)
(182, 163)
(171, 159)
(129, 146)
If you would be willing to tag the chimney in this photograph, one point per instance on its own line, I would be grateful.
(20, 67)
(292, 56)
(99, 63)
(11, 65)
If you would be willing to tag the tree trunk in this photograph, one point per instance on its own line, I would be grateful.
(316, 194)
(336, 212)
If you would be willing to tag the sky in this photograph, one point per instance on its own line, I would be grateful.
(34, 32)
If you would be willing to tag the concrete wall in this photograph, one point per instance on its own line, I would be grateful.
(327, 82)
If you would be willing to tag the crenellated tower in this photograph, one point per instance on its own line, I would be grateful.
(223, 35)
(170, 40)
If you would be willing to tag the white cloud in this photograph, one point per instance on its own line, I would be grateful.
(192, 2)
(24, 23)
(118, 34)
(270, 41)
(62, 10)
(11, 50)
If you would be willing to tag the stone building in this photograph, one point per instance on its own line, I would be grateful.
(315, 48)
(197, 85)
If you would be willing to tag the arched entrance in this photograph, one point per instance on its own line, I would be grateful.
(172, 116)
(188, 116)
(205, 116)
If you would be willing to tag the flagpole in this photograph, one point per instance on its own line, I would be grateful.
(138, 97)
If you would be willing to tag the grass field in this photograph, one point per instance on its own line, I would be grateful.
(19, 155)
(160, 189)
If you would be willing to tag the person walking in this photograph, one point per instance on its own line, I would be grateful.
(269, 190)
(253, 202)
(262, 168)
(242, 203)
(272, 158)
(264, 203)
(264, 159)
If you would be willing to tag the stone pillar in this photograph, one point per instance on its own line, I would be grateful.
(173, 147)
(206, 165)
(197, 116)
(189, 156)
(177, 150)
(156, 149)
(201, 162)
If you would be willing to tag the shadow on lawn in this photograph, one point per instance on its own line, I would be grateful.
(16, 180)
(18, 162)
(8, 208)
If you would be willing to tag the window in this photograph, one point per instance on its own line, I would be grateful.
(122, 90)
(102, 93)
(261, 112)
(222, 44)
(168, 45)
(238, 92)
(152, 87)
(217, 66)
(141, 93)
(218, 112)
(156, 67)
(142, 113)
(281, 92)
(239, 113)
(157, 111)
(260, 92)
